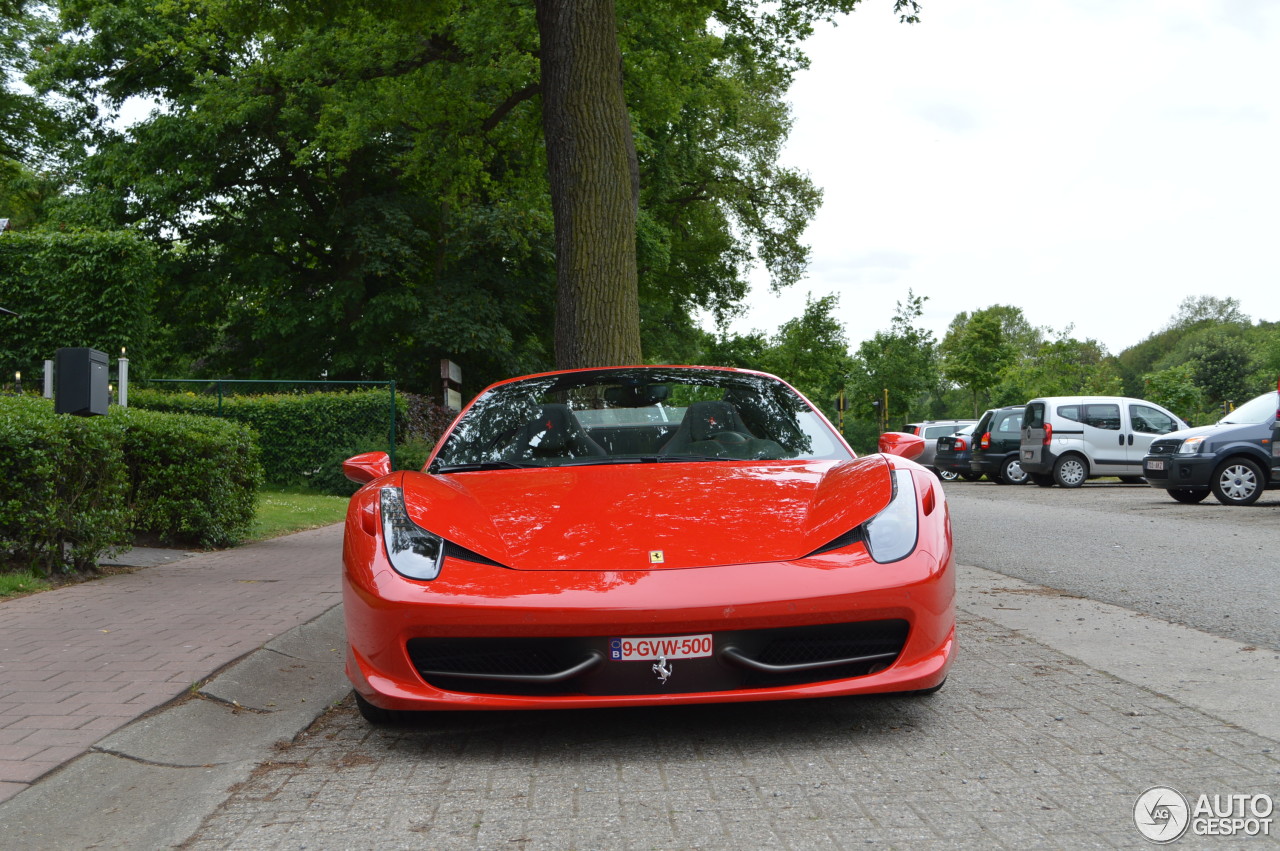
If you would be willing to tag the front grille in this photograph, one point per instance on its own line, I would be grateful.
(1165, 447)
(762, 658)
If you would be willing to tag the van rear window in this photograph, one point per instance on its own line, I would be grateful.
(1035, 415)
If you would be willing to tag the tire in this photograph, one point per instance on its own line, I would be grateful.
(948, 476)
(1044, 480)
(1238, 481)
(971, 477)
(378, 716)
(1070, 471)
(925, 692)
(1133, 480)
(1188, 496)
(1011, 471)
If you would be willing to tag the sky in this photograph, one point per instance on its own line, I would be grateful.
(1093, 162)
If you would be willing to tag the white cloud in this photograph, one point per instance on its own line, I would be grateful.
(1090, 162)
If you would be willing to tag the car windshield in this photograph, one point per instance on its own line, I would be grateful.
(1257, 411)
(636, 415)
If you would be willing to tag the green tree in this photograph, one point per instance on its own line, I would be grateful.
(1062, 367)
(811, 352)
(974, 353)
(902, 361)
(1222, 364)
(359, 188)
(1176, 389)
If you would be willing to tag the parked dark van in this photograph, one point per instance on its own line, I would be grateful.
(995, 446)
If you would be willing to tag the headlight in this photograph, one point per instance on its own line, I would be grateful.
(1190, 446)
(891, 534)
(413, 551)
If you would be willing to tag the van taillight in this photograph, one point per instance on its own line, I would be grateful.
(1048, 433)
(985, 443)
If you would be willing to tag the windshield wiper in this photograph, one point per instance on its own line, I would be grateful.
(480, 465)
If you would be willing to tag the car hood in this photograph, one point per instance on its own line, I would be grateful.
(618, 516)
(1197, 431)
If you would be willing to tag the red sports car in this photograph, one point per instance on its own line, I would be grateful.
(644, 535)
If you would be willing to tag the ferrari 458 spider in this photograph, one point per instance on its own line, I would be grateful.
(644, 535)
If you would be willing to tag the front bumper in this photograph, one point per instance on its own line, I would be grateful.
(1194, 472)
(842, 604)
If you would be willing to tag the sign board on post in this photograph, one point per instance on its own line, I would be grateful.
(451, 384)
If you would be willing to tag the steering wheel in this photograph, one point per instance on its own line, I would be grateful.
(730, 438)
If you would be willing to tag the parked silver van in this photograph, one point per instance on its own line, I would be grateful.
(1068, 439)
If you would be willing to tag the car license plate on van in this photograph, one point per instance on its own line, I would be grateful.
(1155, 465)
(1028, 454)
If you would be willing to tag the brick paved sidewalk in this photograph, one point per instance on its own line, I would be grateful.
(1024, 748)
(80, 662)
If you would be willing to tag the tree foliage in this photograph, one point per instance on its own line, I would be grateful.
(360, 188)
(901, 363)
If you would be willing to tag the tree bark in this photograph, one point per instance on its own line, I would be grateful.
(594, 181)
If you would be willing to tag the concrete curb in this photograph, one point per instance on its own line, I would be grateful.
(151, 783)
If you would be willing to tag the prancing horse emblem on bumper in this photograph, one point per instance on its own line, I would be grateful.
(656, 557)
(663, 669)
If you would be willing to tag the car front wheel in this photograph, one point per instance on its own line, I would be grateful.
(1070, 471)
(378, 716)
(1188, 495)
(1238, 482)
(1011, 471)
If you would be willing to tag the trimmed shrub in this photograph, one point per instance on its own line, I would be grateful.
(296, 432)
(73, 489)
(194, 479)
(63, 484)
(329, 478)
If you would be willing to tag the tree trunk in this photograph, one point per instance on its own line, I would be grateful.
(591, 164)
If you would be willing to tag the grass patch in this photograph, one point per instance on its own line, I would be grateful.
(21, 583)
(285, 510)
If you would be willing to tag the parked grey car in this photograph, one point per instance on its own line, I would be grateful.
(1235, 459)
(931, 430)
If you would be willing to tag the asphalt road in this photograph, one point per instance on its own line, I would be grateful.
(1207, 566)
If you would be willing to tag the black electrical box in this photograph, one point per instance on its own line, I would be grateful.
(80, 382)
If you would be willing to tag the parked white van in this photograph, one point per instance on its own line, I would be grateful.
(1067, 439)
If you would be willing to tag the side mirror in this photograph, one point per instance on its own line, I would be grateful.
(366, 467)
(901, 443)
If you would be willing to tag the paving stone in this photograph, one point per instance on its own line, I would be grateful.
(985, 763)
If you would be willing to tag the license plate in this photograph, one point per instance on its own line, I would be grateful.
(652, 649)
(1028, 454)
(1155, 465)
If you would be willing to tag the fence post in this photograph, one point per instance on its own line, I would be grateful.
(392, 453)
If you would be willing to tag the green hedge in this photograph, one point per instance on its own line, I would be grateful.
(73, 489)
(78, 288)
(297, 432)
(193, 479)
(63, 487)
